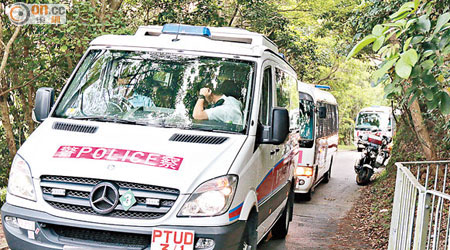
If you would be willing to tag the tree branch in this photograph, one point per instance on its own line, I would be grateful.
(29, 81)
(234, 14)
(6, 53)
(291, 10)
(334, 69)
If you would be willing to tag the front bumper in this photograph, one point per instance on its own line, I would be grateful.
(53, 232)
(303, 184)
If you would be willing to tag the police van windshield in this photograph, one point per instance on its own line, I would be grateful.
(368, 120)
(159, 89)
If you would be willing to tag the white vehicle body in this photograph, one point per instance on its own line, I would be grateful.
(318, 138)
(375, 120)
(67, 155)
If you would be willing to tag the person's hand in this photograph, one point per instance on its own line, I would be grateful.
(206, 92)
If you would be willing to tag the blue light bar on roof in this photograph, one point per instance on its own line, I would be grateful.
(323, 87)
(184, 29)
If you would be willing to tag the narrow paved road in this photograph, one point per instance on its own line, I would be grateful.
(315, 221)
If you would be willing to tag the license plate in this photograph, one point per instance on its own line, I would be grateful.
(172, 239)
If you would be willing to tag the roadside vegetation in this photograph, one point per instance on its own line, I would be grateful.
(315, 36)
(411, 39)
(396, 49)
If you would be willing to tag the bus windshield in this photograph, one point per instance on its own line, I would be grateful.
(306, 119)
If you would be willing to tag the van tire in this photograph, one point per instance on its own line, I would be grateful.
(303, 197)
(250, 237)
(281, 227)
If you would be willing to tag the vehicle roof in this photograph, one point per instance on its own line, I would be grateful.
(224, 40)
(383, 109)
(318, 95)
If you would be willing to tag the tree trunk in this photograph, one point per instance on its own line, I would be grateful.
(6, 123)
(27, 102)
(422, 131)
(447, 117)
(29, 115)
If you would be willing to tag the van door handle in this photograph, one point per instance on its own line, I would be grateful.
(272, 152)
(277, 150)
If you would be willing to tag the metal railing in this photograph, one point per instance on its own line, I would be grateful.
(421, 211)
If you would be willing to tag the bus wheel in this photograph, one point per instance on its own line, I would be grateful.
(360, 149)
(327, 176)
(250, 237)
(281, 228)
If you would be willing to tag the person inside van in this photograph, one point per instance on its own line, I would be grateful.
(223, 108)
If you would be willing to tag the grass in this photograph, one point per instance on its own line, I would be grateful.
(347, 147)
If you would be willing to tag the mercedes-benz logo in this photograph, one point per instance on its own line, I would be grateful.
(104, 197)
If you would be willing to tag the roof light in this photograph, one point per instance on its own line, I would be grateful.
(282, 55)
(186, 30)
(322, 87)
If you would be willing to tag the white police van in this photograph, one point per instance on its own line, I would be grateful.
(374, 120)
(120, 162)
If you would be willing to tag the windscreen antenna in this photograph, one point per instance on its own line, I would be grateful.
(178, 32)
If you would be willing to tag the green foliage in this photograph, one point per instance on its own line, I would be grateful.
(418, 36)
(314, 35)
(353, 91)
(3, 191)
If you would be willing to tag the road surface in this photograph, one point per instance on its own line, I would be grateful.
(315, 222)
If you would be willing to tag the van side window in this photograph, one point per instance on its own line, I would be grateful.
(266, 97)
(287, 94)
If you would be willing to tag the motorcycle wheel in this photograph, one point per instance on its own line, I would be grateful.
(363, 176)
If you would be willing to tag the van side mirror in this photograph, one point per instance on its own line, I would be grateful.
(278, 130)
(322, 112)
(45, 97)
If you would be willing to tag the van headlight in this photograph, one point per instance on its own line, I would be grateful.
(211, 198)
(20, 180)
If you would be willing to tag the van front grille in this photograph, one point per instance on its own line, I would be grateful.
(109, 238)
(75, 197)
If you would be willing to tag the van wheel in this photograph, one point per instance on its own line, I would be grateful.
(250, 237)
(281, 228)
(303, 197)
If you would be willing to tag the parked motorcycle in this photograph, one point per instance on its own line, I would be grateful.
(375, 154)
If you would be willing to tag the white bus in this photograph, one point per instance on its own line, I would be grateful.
(376, 120)
(318, 119)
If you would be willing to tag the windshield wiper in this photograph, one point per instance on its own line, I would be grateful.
(210, 129)
(109, 119)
